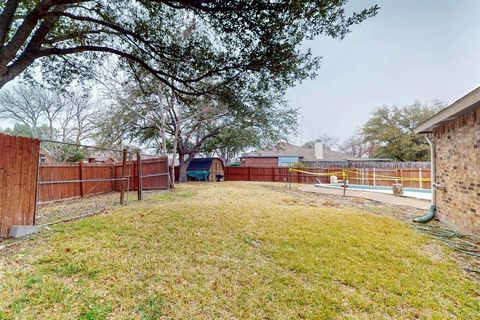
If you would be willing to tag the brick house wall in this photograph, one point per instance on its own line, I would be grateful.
(259, 162)
(458, 169)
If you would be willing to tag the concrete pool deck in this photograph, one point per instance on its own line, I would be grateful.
(375, 196)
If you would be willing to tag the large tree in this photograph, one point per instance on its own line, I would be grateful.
(243, 114)
(390, 131)
(229, 38)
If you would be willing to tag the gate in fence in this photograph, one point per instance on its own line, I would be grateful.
(18, 173)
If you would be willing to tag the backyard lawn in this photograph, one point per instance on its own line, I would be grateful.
(234, 250)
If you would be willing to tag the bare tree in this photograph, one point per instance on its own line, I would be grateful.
(52, 104)
(69, 116)
(356, 146)
(78, 118)
(329, 142)
(24, 104)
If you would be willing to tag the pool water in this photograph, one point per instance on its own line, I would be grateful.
(408, 192)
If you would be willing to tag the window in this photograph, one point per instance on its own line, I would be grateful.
(287, 161)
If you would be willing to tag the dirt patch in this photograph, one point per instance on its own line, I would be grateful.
(74, 208)
(434, 251)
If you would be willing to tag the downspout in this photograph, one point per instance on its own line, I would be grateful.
(433, 207)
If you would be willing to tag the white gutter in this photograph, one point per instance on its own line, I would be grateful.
(433, 157)
(433, 208)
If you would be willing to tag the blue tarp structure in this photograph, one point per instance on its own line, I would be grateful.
(199, 168)
(200, 175)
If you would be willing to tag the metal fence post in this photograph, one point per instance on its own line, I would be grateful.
(139, 174)
(124, 167)
(420, 182)
(80, 174)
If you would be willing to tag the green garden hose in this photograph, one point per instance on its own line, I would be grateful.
(428, 217)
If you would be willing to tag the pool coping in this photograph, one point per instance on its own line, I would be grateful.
(369, 195)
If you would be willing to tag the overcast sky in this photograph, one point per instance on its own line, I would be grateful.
(412, 50)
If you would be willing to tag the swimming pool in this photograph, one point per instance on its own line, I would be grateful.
(407, 192)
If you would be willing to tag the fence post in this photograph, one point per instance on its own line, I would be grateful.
(37, 187)
(139, 174)
(113, 175)
(289, 178)
(249, 174)
(124, 166)
(80, 171)
(374, 177)
(420, 182)
(273, 174)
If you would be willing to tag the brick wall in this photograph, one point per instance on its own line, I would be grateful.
(259, 162)
(458, 168)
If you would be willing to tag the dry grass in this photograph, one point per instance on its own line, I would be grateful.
(233, 250)
(68, 209)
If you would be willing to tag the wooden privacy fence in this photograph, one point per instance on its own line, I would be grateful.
(18, 172)
(410, 178)
(347, 164)
(66, 181)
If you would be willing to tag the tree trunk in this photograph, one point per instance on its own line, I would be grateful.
(182, 167)
(162, 121)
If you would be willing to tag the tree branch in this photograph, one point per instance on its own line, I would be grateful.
(6, 19)
(25, 29)
(79, 49)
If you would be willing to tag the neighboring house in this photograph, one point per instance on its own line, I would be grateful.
(286, 154)
(45, 157)
(455, 139)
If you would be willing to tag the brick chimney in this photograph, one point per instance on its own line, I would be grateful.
(319, 149)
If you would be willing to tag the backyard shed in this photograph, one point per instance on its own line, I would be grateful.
(454, 135)
(206, 169)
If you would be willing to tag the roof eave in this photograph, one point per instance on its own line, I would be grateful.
(460, 107)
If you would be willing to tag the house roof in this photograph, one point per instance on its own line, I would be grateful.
(104, 156)
(290, 150)
(45, 152)
(462, 106)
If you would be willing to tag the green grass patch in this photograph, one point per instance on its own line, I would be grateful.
(170, 196)
(234, 250)
(151, 309)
